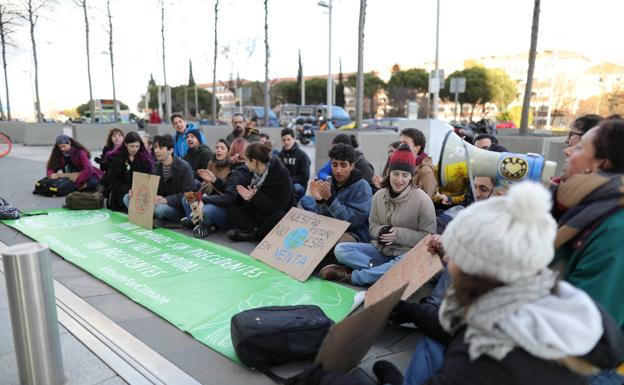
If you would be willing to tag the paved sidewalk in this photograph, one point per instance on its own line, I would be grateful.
(23, 167)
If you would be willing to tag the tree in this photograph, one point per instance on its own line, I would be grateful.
(340, 95)
(405, 85)
(83, 4)
(214, 64)
(164, 60)
(285, 92)
(191, 82)
(300, 86)
(478, 91)
(372, 84)
(85, 107)
(526, 103)
(360, 81)
(7, 24)
(30, 11)
(503, 89)
(203, 107)
(316, 91)
(112, 60)
(152, 82)
(267, 97)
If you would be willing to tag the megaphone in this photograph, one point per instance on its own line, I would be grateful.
(459, 162)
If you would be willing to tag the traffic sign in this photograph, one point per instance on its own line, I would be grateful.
(458, 85)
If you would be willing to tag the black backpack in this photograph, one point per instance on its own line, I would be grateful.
(275, 335)
(57, 187)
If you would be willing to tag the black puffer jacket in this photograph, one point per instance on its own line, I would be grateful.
(198, 158)
(275, 194)
(180, 180)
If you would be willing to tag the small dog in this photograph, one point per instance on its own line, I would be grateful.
(194, 199)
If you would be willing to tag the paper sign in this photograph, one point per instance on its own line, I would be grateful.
(416, 267)
(144, 189)
(348, 341)
(299, 242)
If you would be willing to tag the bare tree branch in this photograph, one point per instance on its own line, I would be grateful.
(8, 20)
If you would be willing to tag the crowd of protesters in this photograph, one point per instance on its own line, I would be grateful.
(532, 278)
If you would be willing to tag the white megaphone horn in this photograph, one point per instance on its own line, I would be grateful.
(459, 162)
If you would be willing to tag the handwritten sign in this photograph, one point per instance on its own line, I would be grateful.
(144, 189)
(299, 242)
(416, 267)
(348, 341)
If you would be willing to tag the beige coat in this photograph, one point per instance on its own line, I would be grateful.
(411, 214)
(425, 177)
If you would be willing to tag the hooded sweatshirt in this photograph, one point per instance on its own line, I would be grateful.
(180, 147)
(298, 164)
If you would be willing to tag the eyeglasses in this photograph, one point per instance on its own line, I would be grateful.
(573, 133)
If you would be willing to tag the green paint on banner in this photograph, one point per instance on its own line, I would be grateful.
(196, 285)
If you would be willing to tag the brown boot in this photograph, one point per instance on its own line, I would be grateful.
(336, 273)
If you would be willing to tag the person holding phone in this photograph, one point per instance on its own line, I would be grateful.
(401, 215)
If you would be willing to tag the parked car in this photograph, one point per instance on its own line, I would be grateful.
(256, 114)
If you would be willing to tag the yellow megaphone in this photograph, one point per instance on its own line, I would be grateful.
(459, 162)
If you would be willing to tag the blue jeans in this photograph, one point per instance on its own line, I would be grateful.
(368, 263)
(299, 190)
(213, 215)
(308, 203)
(606, 377)
(427, 359)
(161, 211)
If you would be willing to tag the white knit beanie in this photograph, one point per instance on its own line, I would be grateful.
(507, 237)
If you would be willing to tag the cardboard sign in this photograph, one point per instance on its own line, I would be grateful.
(144, 189)
(416, 267)
(299, 242)
(348, 341)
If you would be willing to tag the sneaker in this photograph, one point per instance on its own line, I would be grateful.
(237, 235)
(387, 373)
(187, 223)
(202, 230)
(336, 273)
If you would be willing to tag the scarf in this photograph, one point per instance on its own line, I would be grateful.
(485, 319)
(584, 199)
(258, 179)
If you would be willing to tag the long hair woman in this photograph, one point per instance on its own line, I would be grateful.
(71, 158)
(114, 140)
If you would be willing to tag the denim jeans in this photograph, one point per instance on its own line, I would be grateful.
(606, 377)
(367, 262)
(162, 210)
(213, 215)
(427, 359)
(307, 203)
(299, 190)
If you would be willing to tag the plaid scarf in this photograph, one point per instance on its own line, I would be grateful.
(584, 199)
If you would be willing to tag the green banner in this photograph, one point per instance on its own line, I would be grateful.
(194, 284)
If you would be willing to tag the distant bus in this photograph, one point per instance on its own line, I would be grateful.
(105, 112)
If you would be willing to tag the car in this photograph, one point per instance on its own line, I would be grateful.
(256, 114)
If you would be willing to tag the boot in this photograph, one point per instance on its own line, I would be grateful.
(336, 273)
(387, 373)
(238, 235)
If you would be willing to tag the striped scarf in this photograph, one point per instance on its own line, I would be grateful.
(584, 199)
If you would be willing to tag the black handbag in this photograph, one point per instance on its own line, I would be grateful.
(275, 335)
(56, 187)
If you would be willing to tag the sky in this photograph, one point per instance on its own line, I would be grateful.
(396, 31)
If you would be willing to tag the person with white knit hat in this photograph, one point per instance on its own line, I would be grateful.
(506, 319)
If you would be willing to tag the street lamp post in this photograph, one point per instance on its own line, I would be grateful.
(434, 112)
(324, 4)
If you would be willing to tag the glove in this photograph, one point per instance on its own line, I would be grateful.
(403, 313)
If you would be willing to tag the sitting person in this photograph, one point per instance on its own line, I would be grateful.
(346, 195)
(484, 141)
(198, 154)
(265, 197)
(401, 215)
(114, 140)
(296, 161)
(180, 145)
(588, 206)
(131, 156)
(71, 159)
(223, 179)
(176, 178)
(361, 163)
(264, 138)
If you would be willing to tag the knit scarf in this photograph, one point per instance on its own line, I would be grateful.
(487, 331)
(585, 198)
(258, 179)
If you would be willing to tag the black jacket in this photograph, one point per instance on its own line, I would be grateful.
(367, 169)
(103, 160)
(239, 175)
(180, 180)
(275, 194)
(198, 158)
(298, 164)
(119, 178)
